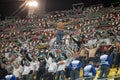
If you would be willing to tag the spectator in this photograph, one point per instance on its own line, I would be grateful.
(89, 71)
(92, 50)
(17, 71)
(114, 57)
(60, 32)
(3, 72)
(37, 65)
(42, 68)
(50, 75)
(79, 43)
(8, 65)
(61, 69)
(74, 68)
(117, 59)
(26, 71)
(32, 69)
(105, 63)
(10, 75)
(25, 38)
(49, 60)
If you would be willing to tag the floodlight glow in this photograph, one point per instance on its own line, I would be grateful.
(32, 3)
(35, 3)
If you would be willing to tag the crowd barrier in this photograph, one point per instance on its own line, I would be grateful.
(109, 78)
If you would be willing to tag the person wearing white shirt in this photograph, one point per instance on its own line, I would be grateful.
(18, 59)
(37, 65)
(32, 67)
(67, 40)
(26, 71)
(51, 71)
(49, 60)
(10, 75)
(68, 60)
(61, 68)
(89, 71)
(17, 71)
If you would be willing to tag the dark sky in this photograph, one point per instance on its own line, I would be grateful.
(7, 7)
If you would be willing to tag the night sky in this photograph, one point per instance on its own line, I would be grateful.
(7, 7)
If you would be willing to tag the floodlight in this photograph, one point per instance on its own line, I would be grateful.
(32, 3)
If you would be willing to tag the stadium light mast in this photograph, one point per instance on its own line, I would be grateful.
(32, 7)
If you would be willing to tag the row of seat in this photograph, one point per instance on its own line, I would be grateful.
(114, 72)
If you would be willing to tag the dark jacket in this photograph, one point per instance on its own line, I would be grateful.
(3, 73)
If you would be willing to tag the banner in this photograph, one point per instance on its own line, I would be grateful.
(42, 46)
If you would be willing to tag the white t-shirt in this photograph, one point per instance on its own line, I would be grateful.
(32, 65)
(52, 67)
(49, 61)
(26, 70)
(18, 59)
(16, 72)
(61, 66)
(37, 63)
(9, 77)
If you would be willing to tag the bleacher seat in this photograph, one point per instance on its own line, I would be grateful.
(81, 73)
(118, 72)
(112, 72)
(97, 74)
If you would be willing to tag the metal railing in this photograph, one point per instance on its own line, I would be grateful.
(113, 77)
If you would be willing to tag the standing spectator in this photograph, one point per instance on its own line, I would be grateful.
(42, 67)
(105, 63)
(68, 60)
(117, 59)
(83, 55)
(26, 71)
(17, 71)
(8, 65)
(37, 65)
(49, 60)
(114, 57)
(10, 75)
(50, 75)
(23, 61)
(117, 63)
(60, 31)
(92, 50)
(79, 42)
(32, 67)
(61, 68)
(3, 71)
(74, 68)
(89, 71)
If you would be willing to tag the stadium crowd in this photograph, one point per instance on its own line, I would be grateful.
(61, 45)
